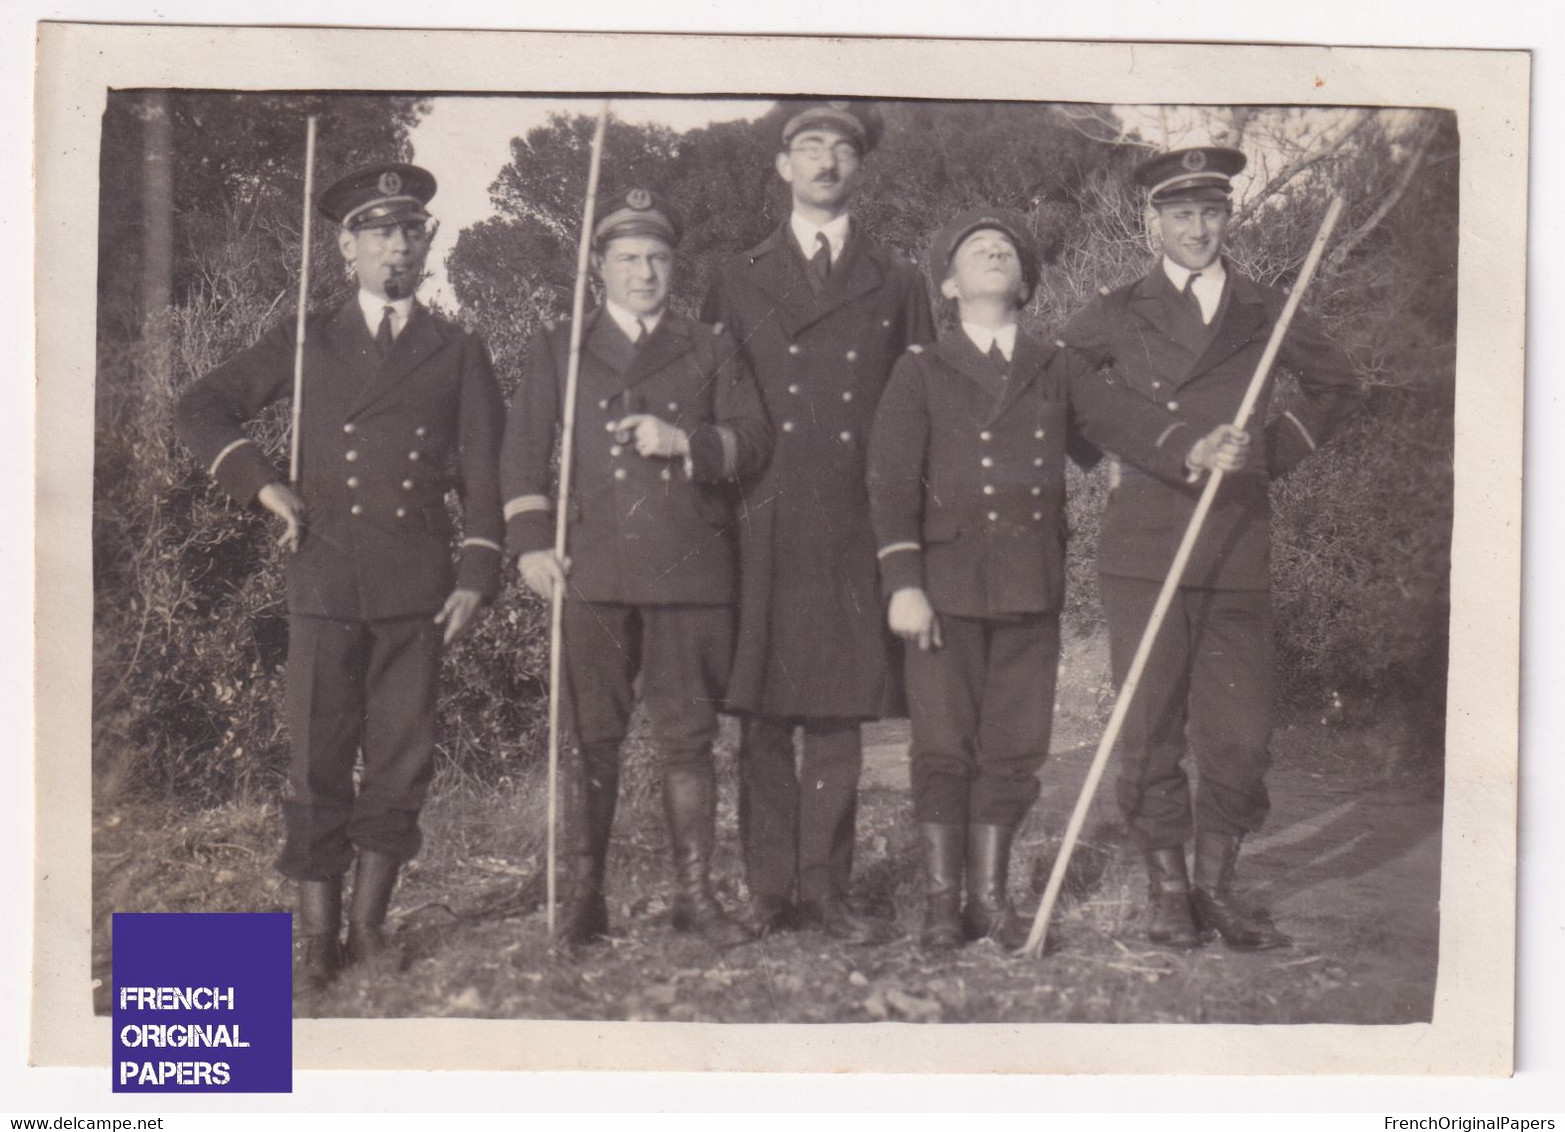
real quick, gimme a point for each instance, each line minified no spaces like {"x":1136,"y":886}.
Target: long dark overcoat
{"x":812,"y":638}
{"x":641,"y":531}
{"x":381,"y":443}
{"x":1137,"y":338}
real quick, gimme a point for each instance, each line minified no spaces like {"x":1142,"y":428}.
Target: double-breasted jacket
{"x":382,"y":442}
{"x":1141,"y":339}
{"x":967,"y":470}
{"x":640,"y":531}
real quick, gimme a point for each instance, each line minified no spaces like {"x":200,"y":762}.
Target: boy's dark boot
{"x":945,"y":853}
{"x":1217,"y":909}
{"x":690,"y":806}
{"x":1168,"y":890}
{"x":592,"y":794}
{"x":317,"y":948}
{"x":989,"y":914}
{"x":373,"y":883}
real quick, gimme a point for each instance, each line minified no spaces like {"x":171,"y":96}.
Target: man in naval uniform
{"x":1188,"y":337}
{"x":668,"y":422}
{"x":821,"y":313}
{"x":399,"y":408}
{"x":967,"y":492}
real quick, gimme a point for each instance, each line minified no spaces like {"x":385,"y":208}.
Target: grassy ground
{"x":1349,"y":864}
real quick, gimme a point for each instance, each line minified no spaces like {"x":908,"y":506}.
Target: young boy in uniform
{"x":967,"y":493}
{"x":667,"y":420}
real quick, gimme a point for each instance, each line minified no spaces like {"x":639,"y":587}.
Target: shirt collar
{"x":1211,"y":275}
{"x":626,"y":320}
{"x":835,"y":231}
{"x":374,"y":306}
{"x":983,"y":338}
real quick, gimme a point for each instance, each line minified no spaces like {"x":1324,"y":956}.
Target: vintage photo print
{"x":898,"y":372}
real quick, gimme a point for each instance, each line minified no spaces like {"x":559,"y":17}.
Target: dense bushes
{"x":190,"y":627}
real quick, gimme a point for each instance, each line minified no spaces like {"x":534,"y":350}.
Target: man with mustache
{"x":1188,"y":337}
{"x":399,"y":408}
{"x":821,"y":313}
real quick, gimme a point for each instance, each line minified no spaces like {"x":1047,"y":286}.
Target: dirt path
{"x":1349,"y":863}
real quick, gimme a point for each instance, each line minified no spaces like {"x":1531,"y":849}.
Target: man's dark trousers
{"x":985,"y":703}
{"x":331,"y":664}
{"x":1206,"y":688}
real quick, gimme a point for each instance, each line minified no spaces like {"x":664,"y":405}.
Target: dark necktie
{"x":641,"y":334}
{"x":1190,"y":297}
{"x":820,"y":262}
{"x":383,"y":337}
{"x":997,"y":358}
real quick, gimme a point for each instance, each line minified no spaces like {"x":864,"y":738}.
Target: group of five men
{"x":757,"y":497}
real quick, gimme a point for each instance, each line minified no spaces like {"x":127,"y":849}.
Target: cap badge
{"x":1195,"y":161}
{"x":390,"y":183}
{"x":638,"y":199}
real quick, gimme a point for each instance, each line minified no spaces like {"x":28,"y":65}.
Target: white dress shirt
{"x":983,"y":337}
{"x":1208,"y":286}
{"x":374,"y":308}
{"x":835,"y":231}
{"x":627,"y":321}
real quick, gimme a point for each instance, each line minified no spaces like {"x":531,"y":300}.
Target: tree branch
{"x":1359,"y":234}
{"x":1299,"y":165}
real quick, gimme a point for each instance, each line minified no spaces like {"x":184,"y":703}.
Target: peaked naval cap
{"x":1199,"y":174}
{"x":377,"y":196}
{"x":858,"y":121}
{"x":636,"y":212}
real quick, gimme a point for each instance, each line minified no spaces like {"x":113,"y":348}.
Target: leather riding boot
{"x":945,"y":850}
{"x":373,"y":883}
{"x":1168,"y":891}
{"x":690,"y":805}
{"x":593,"y":793}
{"x":1217,"y":909}
{"x":989,"y":914}
{"x":317,"y":949}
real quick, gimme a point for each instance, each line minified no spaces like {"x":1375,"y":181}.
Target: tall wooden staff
{"x":304,"y":296}
{"x":557,"y":603}
{"x":1040,"y":923}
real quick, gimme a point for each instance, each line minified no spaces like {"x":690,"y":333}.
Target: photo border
{"x":1472,"y":1028}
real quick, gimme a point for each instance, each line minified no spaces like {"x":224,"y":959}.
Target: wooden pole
{"x":1165,"y":597}
{"x":304,"y":298}
{"x":562,"y":511}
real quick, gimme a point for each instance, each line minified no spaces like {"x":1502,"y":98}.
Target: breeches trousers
{"x":358,"y":686}
{"x":982,"y":706}
{"x":1206,"y":689}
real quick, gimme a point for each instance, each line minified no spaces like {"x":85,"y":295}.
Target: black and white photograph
{"x":765,"y":549}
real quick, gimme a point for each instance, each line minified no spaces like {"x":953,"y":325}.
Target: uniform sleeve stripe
{"x":526,"y":504}
{"x":221,"y":456}
{"x":895,"y":548}
{"x":730,"y":444}
{"x":1304,"y":432}
{"x":487,"y":543}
